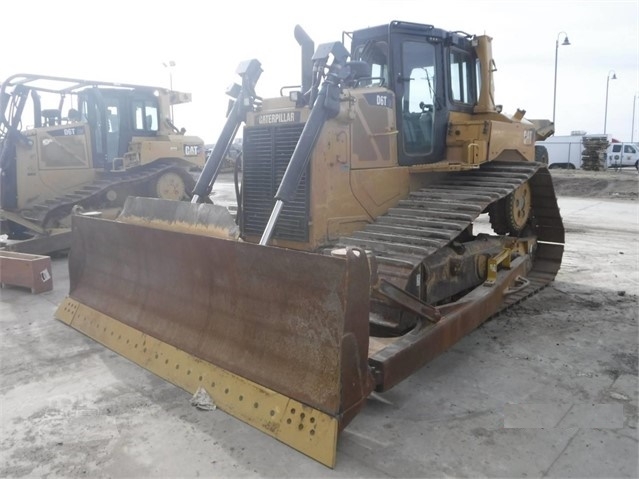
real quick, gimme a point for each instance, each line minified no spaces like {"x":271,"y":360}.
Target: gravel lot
{"x":547,"y":389}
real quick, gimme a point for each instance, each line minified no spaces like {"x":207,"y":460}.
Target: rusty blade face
{"x":291,"y":321}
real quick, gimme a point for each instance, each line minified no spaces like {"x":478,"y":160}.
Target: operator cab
{"x":431,"y":71}
{"x":115,"y":116}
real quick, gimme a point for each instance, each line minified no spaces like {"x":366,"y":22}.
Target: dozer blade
{"x":203,"y":219}
{"x":278,"y":338}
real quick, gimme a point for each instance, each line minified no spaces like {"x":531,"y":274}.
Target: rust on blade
{"x":294,"y":322}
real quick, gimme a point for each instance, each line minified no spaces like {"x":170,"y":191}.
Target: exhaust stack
{"x":308,"y":48}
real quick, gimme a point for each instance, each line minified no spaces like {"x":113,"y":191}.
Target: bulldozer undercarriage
{"x":162,"y":179}
{"x":294,"y":342}
{"x":419,"y":246}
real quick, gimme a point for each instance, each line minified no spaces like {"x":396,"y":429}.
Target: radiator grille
{"x":266,"y":154}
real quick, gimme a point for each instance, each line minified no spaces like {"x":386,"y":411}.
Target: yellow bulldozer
{"x":68,"y":144}
{"x":352,"y":260}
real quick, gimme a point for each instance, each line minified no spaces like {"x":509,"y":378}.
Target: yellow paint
{"x":306,"y":429}
{"x":502,"y":258}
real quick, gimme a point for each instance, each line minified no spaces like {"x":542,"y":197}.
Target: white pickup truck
{"x":619,"y":155}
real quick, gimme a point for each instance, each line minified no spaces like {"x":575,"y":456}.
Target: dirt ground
{"x":547,"y":389}
{"x":621,"y":184}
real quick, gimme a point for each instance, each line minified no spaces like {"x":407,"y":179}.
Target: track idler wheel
{"x":172,"y":185}
{"x":511,"y":214}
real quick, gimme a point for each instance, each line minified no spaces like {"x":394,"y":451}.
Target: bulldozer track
{"x":433,"y":217}
{"x":45,"y":213}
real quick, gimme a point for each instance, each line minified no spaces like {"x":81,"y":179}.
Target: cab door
{"x":117,"y":125}
{"x":630,"y":155}
{"x":420,"y":98}
{"x":94,"y":110}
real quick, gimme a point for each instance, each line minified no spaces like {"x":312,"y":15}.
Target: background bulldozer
{"x":352,"y":259}
{"x":68,"y":143}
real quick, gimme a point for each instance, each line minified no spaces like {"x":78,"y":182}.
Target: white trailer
{"x":563,"y":151}
{"x":567,"y":151}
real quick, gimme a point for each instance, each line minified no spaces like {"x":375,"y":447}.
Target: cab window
{"x":629,"y":149}
{"x":461,"y":67}
{"x":113,"y":119}
{"x":375,"y":53}
{"x":145,"y":115}
{"x":418,"y":98}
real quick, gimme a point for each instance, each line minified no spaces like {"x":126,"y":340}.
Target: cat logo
{"x":191,"y":150}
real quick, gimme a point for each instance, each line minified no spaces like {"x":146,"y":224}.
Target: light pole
{"x":170,"y":65}
{"x":554,"y":96}
{"x":608,"y":78}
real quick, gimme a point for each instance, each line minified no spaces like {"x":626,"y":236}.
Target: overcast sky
{"x":128,"y":41}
